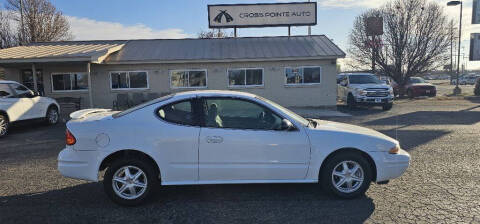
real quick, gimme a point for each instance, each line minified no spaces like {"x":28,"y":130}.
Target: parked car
{"x":18,"y":103}
{"x":364,"y":89}
{"x":415,"y":87}
{"x":222,"y":137}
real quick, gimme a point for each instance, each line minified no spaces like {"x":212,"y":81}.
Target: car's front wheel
{"x":347,"y":175}
{"x":129,"y":182}
{"x":3,"y":125}
{"x":52,"y":115}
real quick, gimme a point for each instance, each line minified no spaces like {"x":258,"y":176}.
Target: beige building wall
{"x":274,"y":88}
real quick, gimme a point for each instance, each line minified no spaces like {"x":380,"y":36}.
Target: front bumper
{"x":390,"y":166}
{"x":368,"y":100}
{"x":79,"y":164}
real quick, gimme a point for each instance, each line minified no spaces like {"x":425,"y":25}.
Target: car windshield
{"x":140,"y":106}
{"x":416,"y":80}
{"x":364,"y":79}
{"x":290,"y":113}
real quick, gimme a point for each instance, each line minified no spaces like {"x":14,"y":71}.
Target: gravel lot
{"x":442,"y":184}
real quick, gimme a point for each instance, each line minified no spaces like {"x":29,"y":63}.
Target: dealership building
{"x":293,"y":71}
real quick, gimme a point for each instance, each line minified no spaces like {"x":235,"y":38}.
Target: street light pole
{"x":457,"y":89}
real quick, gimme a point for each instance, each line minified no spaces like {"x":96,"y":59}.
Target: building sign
{"x":262,"y":15}
{"x":476,"y":12}
{"x":475,"y":47}
{"x":374,"y":26}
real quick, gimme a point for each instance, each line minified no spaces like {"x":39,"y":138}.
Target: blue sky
{"x":137,"y":19}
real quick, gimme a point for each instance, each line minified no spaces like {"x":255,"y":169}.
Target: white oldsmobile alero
{"x":222,"y":137}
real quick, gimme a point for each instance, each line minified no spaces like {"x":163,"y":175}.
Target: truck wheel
{"x":130,"y":182}
{"x":351,"y":102}
{"x":347,"y":175}
{"x":387,"y":106}
{"x":3,"y":125}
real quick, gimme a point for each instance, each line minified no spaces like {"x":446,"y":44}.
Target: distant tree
{"x":214,"y":33}
{"x":416,"y":39}
{"x":7,"y":34}
{"x":41,"y":21}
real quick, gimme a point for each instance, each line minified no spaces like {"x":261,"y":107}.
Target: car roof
{"x":349,"y":74}
{"x":214,"y":93}
{"x":7,"y":82}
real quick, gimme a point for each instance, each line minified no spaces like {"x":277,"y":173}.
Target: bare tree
{"x":416,"y":39}
{"x":7,"y":35}
{"x":41,"y":21}
{"x":214,"y":33}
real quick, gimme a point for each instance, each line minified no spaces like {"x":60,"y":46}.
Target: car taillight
{"x":70,"y":139}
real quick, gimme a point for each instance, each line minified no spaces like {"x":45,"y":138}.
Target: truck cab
{"x":356,"y":89}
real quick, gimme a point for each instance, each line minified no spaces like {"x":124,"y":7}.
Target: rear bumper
{"x":78,"y":164}
{"x":390,"y":166}
{"x":424,"y":92}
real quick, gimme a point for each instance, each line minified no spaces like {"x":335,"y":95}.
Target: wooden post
{"x":90,"y":96}
{"x":34,"y":75}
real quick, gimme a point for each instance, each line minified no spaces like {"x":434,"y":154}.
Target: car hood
{"x":344,"y":131}
{"x":368,"y":86}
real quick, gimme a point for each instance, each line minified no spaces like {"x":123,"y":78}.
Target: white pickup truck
{"x":364,"y":89}
{"x":18,"y":103}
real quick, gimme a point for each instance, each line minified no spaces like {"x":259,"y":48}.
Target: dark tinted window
{"x":416,"y":80}
{"x":364,"y":79}
{"x":178,"y":113}
{"x":21,"y":91}
{"x":239,"y":114}
{"x":5,"y":91}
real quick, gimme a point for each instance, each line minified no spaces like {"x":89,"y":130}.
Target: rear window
{"x":140,"y":106}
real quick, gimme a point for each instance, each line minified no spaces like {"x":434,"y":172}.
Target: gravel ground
{"x":441,"y":186}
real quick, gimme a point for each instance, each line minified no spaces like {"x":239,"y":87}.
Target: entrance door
{"x":27,"y":80}
{"x":242,"y":140}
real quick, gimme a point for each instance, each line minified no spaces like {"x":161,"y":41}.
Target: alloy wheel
{"x":347,"y":176}
{"x":3,"y":126}
{"x":129,"y":182}
{"x":52,"y":116}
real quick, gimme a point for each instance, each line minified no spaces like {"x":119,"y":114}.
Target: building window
{"x":188,"y":78}
{"x":302,"y":75}
{"x":129,"y":80}
{"x":245,"y":77}
{"x":69,"y":81}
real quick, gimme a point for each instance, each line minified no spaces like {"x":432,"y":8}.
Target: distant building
{"x":293,"y":71}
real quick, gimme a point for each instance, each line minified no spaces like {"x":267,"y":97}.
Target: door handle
{"x":214,"y":139}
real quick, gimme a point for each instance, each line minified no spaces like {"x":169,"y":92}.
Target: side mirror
{"x":287,"y":125}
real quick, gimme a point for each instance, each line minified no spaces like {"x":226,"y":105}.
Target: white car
{"x":364,"y":89}
{"x":18,"y":103}
{"x":222,"y":137}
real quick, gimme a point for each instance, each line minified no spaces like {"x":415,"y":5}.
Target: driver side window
{"x":239,"y":114}
{"x":22,"y":91}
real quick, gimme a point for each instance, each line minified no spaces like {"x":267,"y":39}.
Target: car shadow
{"x":410,"y":139}
{"x":252,"y":203}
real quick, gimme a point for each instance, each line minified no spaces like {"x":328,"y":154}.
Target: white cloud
{"x":89,"y":29}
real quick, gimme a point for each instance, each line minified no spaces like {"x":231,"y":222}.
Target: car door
{"x":241,"y":140}
{"x":178,"y":141}
{"x":32,"y":106}
{"x":10,"y":103}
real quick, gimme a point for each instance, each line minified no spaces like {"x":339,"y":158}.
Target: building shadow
{"x":463,"y":117}
{"x":253,"y":203}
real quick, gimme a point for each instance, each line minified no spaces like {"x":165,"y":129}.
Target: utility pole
{"x":309,"y":27}
{"x":22,"y":33}
{"x":451,"y":51}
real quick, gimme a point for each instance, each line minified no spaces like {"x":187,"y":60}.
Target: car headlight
{"x":394,"y":150}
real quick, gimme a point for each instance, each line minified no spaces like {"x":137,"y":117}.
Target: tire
{"x":149,"y":179}
{"x":52,"y":115}
{"x":387,"y":106}
{"x":351,"y":102}
{"x":4,"y":125}
{"x":352,"y":159}
{"x":410,"y":94}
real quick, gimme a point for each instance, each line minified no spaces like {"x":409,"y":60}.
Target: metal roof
{"x":177,"y":50}
{"x":60,"y":51}
{"x":226,"y":49}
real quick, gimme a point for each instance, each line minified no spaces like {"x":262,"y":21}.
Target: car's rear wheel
{"x":347,"y":175}
{"x":129,"y":182}
{"x":52,"y":115}
{"x":4,"y":124}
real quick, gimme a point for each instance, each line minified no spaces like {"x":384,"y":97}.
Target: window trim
{"x":71,"y":90}
{"x":194,"y":103}
{"x":202,"y":114}
{"x":245,"y":86}
{"x":187,"y":70}
{"x":303,"y":83}
{"x":128,"y":78}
